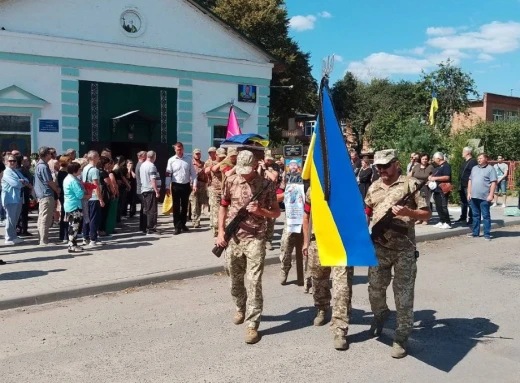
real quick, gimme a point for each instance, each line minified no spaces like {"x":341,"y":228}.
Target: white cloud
{"x":495,"y":37}
{"x":484,"y":58}
{"x":338,"y":58}
{"x":325,"y":15}
{"x":453,"y":54}
{"x":418,"y":51}
{"x":385,"y":64}
{"x":440,"y":31}
{"x":302,"y":23}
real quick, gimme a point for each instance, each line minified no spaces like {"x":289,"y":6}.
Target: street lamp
{"x":282,"y":86}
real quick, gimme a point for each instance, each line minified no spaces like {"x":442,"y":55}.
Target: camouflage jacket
{"x":380,"y":198}
{"x":209,"y":162}
{"x":216,"y":179}
{"x":237,"y":192}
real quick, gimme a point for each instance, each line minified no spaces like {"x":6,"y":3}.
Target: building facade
{"x":493,"y":107}
{"x":127,"y":76}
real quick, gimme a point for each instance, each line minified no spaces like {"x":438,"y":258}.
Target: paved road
{"x":34,"y":274}
{"x":466,"y":330}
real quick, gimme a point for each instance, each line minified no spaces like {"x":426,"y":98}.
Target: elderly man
{"x":90,"y":174}
{"x":441,"y":193}
{"x":398,"y":252}
{"x":465,"y":171}
{"x":246,"y":252}
{"x":71,"y":153}
{"x":182,"y":176}
{"x":150,"y":188}
{"x":481,"y":187}
{"x":141,"y":158}
{"x":44,"y":188}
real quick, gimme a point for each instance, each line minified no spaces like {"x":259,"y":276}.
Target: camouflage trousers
{"x":214,"y":206}
{"x":405,"y":271}
{"x":342,"y":278}
{"x":288,"y":244}
{"x":269,"y":231}
{"x":245,"y":260}
{"x":197,"y":199}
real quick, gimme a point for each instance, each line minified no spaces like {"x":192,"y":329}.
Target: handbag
{"x":446,"y":187}
{"x":167,"y":207}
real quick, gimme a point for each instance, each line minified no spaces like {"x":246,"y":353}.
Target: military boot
{"x":252,"y":336}
{"x":398,"y":349}
{"x":378,"y":323}
{"x":340,"y":342}
{"x":239,"y":317}
{"x":283,"y":277}
{"x":321,"y":318}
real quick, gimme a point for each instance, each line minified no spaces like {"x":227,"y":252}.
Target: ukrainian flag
{"x":338,"y":214}
{"x":433,"y":109}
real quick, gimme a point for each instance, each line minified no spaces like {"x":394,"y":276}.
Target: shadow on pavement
{"x":54,"y":258}
{"x":19,"y":275}
{"x":442,"y":343}
{"x":504,"y":234}
{"x":294,"y":320}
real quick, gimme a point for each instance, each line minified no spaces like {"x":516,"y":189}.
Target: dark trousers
{"x":441,"y":205}
{"x":180,"y":198}
{"x":23,"y":221}
{"x":90,"y":228}
{"x":465,"y":206}
{"x":150,"y":210}
{"x":142,"y":216}
{"x":122,"y":203}
{"x":64,"y":225}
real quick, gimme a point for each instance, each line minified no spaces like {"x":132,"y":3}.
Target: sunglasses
{"x":11,"y":160}
{"x":384,"y":167}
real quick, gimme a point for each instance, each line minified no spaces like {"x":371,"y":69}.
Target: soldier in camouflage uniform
{"x":270,"y":171}
{"x":212,"y":152}
{"x":341,"y":282}
{"x":198,"y":197}
{"x":398,"y":252}
{"x":215,"y":192}
{"x":245,"y":254}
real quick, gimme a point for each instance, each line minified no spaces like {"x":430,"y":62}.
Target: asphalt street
{"x":466,"y":329}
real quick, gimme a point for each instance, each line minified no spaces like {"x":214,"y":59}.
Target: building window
{"x":15,"y":133}
{"x":498,"y":115}
{"x":309,"y":128}
{"x":219,"y":135}
{"x":512,"y":116}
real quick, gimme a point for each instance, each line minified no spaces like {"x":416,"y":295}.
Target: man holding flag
{"x":396,"y":250}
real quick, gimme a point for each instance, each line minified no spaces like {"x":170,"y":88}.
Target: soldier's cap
{"x":221,"y":152}
{"x":384,"y":157}
{"x":197,"y":151}
{"x":245,"y":161}
{"x":212,"y":149}
{"x":232,"y":151}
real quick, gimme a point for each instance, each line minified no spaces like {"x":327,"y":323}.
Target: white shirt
{"x":181,"y":171}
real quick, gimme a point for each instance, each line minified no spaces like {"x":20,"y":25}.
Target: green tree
{"x":266,"y":23}
{"x":454,"y":89}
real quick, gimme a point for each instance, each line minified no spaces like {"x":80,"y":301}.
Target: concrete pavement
{"x":36,"y":275}
{"x":465,"y":330}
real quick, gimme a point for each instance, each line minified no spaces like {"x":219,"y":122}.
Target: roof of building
{"x":275,"y":60}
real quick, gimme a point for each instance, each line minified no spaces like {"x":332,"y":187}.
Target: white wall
{"x":169,"y":24}
{"x":210,"y":95}
{"x":43,"y":82}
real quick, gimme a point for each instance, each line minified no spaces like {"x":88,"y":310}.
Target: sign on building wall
{"x":49,"y":126}
{"x":246,"y":93}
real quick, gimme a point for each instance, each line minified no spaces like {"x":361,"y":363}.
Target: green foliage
{"x":454,"y":89}
{"x":415,"y":136}
{"x":266,"y":23}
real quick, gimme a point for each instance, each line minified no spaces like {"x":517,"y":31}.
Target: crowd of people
{"x":435,"y":175}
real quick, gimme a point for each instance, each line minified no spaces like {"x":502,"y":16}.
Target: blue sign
{"x":50,"y":126}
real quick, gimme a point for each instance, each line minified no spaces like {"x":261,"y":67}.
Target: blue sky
{"x":397,"y":39}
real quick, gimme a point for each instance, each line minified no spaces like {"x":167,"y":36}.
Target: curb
{"x":113,"y":286}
